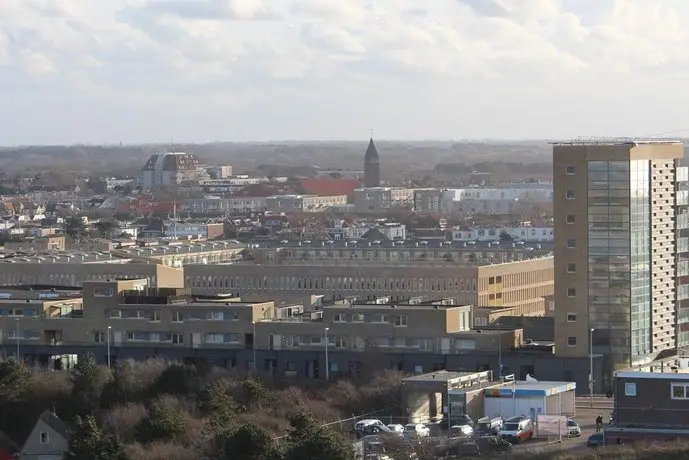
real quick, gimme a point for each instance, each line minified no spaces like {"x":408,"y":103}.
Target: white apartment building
{"x":521,"y":233}
{"x":391,"y":231}
{"x":216,"y":204}
{"x":380,"y":199}
{"x":481,"y":200}
{"x":303,"y":203}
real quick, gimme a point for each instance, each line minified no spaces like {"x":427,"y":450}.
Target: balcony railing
{"x":683,"y":268}
{"x":683,"y":221}
{"x":682,"y":198}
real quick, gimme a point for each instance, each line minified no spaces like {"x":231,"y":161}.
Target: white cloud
{"x":266,"y":69}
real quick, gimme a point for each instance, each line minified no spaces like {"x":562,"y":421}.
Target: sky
{"x":134,"y":71}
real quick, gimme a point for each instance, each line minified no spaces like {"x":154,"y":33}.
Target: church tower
{"x":371,"y":166}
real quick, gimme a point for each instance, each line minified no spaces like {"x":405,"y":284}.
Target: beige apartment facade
{"x":517,"y":284}
{"x":128,"y":313}
{"x":75,"y":273}
{"x":615,"y":250}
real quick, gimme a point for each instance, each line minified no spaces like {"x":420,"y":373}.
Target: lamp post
{"x":108,"y":342}
{"x":253,"y":324}
{"x":327,"y":362}
{"x":591,"y":365}
{"x":16,"y":336}
{"x":500,"y":358}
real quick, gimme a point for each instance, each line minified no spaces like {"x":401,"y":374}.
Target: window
{"x":44,"y":437}
{"x":358,"y":318}
{"x":630,"y":389}
{"x":103,"y":292}
{"x":571,"y":341}
{"x":465,"y":344}
{"x":571,"y":268}
{"x":154,"y":315}
{"x":679,"y":390}
{"x":214,"y":315}
{"x":571,"y":243}
{"x":570,"y":170}
{"x":498,"y":279}
{"x":491,"y":297}
{"x":215,"y":338}
{"x":339,"y":318}
{"x":401,"y":321}
{"x":571,"y":317}
{"x":571,"y":218}
{"x":491,"y":280}
{"x":571,"y":292}
{"x":99,"y":337}
{"x":177,"y":317}
{"x":115,"y":314}
{"x":383,"y":341}
{"x":569,"y":194}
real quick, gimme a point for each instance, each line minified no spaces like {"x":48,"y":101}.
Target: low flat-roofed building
{"x":650,"y":406}
{"x":42,"y":243}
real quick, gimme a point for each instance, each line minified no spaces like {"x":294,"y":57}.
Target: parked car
{"x":359,"y":426}
{"x":456,"y":431}
{"x":573,"y":428}
{"x":488,"y":426}
{"x":461,"y":419}
{"x":517,"y":429}
{"x":595,"y":440}
{"x":451,"y":449}
{"x":374,"y":429}
{"x":396,"y":428}
{"x":416,"y":431}
{"x":493,"y":444}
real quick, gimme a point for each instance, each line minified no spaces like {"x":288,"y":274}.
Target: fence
{"x":346,"y":425}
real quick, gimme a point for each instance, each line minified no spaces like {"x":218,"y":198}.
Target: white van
{"x":517,"y":429}
{"x":359,"y":426}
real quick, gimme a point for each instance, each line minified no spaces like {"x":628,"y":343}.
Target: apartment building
{"x":42,"y":243}
{"x":382,"y":199}
{"x":118,"y":320}
{"x":520,"y":284}
{"x":219,"y":205}
{"x":617,"y":265}
{"x":303,"y":203}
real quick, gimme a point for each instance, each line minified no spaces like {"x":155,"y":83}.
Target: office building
{"x":171,"y":169}
{"x":617,"y":263}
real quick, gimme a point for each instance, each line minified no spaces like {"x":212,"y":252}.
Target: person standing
{"x":599,"y":423}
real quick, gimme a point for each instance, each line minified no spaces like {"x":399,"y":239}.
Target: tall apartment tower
{"x":371,"y":166}
{"x":621,"y":260}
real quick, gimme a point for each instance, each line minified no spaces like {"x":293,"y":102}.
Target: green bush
{"x":164,"y":422}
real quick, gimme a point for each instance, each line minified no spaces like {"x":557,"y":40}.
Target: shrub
{"x":124,"y":419}
{"x":162,"y":451}
{"x":176,"y":379}
{"x":164,"y":421}
{"x":245,"y":442}
{"x":89,"y":442}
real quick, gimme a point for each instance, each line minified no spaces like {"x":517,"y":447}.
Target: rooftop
{"x":631,"y":141}
{"x":439,"y":376}
{"x":669,"y":375}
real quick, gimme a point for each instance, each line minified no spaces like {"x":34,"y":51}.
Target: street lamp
{"x":16,"y":336}
{"x":327,"y":362}
{"x":253,"y":344}
{"x":108,"y":341}
{"x":591,"y":365}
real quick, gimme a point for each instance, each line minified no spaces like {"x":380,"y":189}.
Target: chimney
{"x":53,"y":411}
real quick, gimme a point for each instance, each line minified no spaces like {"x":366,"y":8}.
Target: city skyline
{"x":247,"y":70}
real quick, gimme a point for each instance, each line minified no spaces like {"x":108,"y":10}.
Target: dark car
{"x":372,"y":430}
{"x":457,"y":449}
{"x":493,"y":444}
{"x":595,"y":440}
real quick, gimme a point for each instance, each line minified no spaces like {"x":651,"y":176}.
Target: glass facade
{"x":619,"y":251}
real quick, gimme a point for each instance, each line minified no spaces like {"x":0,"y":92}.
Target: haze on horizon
{"x":141,"y":71}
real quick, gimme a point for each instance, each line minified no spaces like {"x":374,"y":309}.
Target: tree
{"x":89,"y":442}
{"x":308,"y":441}
{"x":74,"y":227}
{"x":104,"y":229}
{"x":120,"y":389}
{"x":164,"y":422}
{"x":86,"y":386}
{"x":176,"y":379}
{"x":504,"y":236}
{"x":245,"y":442}
{"x":14,"y":380}
{"x":216,"y":401}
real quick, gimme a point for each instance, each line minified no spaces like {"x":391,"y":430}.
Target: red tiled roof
{"x":329,"y":187}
